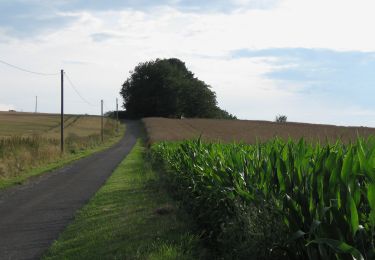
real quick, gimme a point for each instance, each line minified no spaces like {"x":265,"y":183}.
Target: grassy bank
{"x":130,"y":217}
{"x":22,"y":157}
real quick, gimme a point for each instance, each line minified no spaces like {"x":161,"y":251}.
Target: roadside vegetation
{"x":277,"y":199}
{"x":30,"y":144}
{"x":130,"y":217}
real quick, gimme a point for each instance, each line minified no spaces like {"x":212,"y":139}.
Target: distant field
{"x":47,"y":125}
{"x":29,"y":141}
{"x":163,"y":129}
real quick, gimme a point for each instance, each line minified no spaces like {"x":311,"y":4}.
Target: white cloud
{"x":203,"y":40}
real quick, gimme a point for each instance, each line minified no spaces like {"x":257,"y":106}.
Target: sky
{"x":313,"y":61}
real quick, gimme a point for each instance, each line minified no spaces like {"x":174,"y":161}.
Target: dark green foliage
{"x":281,"y":119}
{"x":321,"y":197}
{"x":233,"y":227}
{"x":166,"y":88}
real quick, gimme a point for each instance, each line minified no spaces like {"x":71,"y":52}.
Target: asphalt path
{"x":34,"y":214}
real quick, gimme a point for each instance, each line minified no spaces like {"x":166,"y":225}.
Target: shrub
{"x":281,"y":119}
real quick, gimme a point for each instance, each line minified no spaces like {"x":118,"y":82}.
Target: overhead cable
{"x":28,"y":71}
{"x":77,"y":92}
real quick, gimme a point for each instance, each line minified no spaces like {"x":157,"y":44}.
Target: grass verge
{"x":130,"y":217}
{"x":62,"y":161}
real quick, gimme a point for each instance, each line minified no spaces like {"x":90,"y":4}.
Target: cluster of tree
{"x":166,"y":88}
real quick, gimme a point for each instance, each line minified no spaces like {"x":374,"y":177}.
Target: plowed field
{"x":163,"y":129}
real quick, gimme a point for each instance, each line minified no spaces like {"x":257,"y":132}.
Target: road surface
{"x":34,"y":214}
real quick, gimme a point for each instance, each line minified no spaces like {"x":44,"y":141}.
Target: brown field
{"x":163,"y":129}
{"x":47,"y":125}
{"x":31,"y":140}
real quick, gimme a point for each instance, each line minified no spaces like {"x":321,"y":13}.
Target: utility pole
{"x":102,"y":132}
{"x":36,"y":104}
{"x":117,"y":115}
{"x":62,"y":112}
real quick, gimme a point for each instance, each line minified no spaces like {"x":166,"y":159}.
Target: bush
{"x":281,"y":119}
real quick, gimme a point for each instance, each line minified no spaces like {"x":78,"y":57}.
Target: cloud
{"x":223,"y":24}
{"x":183,"y":5}
{"x":341,"y":76}
{"x":75,"y":62}
{"x":102,"y":37}
{"x":28,"y":18}
{"x":252,"y":58}
{"x":318,"y":85}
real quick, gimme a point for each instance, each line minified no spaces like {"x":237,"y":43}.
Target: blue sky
{"x":346,"y":77}
{"x":305,"y":59}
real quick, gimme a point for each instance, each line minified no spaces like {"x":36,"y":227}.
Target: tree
{"x":166,"y":88}
{"x":281,"y":119}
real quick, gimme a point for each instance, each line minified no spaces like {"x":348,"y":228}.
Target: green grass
{"x":121,"y":220}
{"x":6,"y":182}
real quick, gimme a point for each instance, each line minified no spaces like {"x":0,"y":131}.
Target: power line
{"x":106,"y":107}
{"x":28,"y":71}
{"x":50,"y":74}
{"x":76,"y":90}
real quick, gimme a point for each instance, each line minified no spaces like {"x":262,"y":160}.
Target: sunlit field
{"x":29,"y":140}
{"x":47,"y":125}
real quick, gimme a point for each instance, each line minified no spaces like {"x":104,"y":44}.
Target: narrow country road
{"x":33,"y":215}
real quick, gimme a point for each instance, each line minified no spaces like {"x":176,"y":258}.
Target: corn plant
{"x":324,"y":193}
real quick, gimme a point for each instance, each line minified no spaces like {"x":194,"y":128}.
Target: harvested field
{"x":163,"y":129}
{"x":32,"y":140}
{"x":48,"y":125}
{"x":24,"y":124}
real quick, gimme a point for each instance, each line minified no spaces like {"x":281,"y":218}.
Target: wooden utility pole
{"x":62,"y":112}
{"x":102,"y":132}
{"x":36,"y":104}
{"x":117,"y":115}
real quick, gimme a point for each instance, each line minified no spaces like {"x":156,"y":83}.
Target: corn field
{"x":323,"y":195}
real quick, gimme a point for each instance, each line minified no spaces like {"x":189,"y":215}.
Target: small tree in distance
{"x":281,"y":119}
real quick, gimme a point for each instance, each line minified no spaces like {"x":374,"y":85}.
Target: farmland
{"x":163,"y":129}
{"x":29,"y":141}
{"x":48,"y":125}
{"x":272,"y":198}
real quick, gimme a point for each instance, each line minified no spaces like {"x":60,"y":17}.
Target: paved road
{"x":33,"y":215}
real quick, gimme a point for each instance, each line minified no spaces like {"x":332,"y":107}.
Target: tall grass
{"x":279,"y":199}
{"x":22,"y":153}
